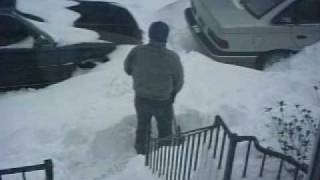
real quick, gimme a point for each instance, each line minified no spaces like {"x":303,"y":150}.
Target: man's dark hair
{"x":159,"y":31}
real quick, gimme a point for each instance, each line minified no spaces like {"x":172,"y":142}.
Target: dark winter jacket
{"x":156,"y":71}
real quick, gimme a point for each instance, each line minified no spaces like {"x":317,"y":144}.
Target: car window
{"x":11,"y":31}
{"x":308,"y":12}
{"x":302,"y":12}
{"x":287,"y":16}
{"x":7,"y":4}
{"x":259,"y":8}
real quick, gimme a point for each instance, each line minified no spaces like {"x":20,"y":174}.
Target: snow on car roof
{"x":58,"y":25}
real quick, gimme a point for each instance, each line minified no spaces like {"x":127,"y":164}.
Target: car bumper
{"x":211,"y":49}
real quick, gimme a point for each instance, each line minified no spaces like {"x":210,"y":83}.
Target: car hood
{"x":229,"y":14}
{"x":69,"y":35}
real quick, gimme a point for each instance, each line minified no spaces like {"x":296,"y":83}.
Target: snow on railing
{"x":214,"y":152}
{"x":47,"y":166}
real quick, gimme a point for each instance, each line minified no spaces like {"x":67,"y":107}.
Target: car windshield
{"x":259,"y":8}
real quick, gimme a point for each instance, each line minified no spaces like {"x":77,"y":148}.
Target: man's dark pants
{"x":146,"y":109}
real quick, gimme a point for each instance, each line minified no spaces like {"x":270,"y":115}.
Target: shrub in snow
{"x":296,"y":129}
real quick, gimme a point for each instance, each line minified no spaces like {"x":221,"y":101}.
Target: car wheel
{"x":268,"y":60}
{"x":87,"y":65}
{"x":102,"y":59}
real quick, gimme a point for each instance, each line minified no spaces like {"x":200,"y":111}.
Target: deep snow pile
{"x":59,"y":20}
{"x":87,"y":123}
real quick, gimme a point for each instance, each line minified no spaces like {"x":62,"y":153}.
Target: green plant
{"x":296,"y":129}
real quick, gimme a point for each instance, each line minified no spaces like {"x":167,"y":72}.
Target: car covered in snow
{"x":254,"y":32}
{"x":31,"y":57}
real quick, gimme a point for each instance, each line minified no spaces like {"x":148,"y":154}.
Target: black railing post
{"x":244,"y":173}
{"x":280,"y":170}
{"x":210,"y":138}
{"x":181,"y":160}
{"x":222,"y":149}
{"x":230,"y":156}
{"x":216,"y":142}
{"x":176,"y":165}
{"x":146,"y":163}
{"x":170,"y":161}
{"x":191,"y":155}
{"x":165,"y":158}
{"x":49,"y":169}
{"x":160,"y":157}
{"x":151,"y":154}
{"x":197,"y":151}
{"x":155,"y":156}
{"x":185,"y":163}
{"x":24,"y":176}
{"x":262,"y":165}
{"x":205,"y":136}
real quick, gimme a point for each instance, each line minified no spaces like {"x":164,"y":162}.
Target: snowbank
{"x":59,"y":20}
{"x":87,"y":123}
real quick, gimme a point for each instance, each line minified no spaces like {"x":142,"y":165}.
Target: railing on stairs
{"x":179,"y":157}
{"x":47,"y":167}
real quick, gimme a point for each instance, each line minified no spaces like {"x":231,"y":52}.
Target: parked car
{"x":258,"y":32}
{"x":30,"y":57}
{"x":111,"y":21}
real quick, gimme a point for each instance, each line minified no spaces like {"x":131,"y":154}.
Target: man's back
{"x":156,"y":71}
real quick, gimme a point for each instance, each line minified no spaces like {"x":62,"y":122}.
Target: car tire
{"x":267,"y":60}
{"x":102,"y":59}
{"x":87,"y":65}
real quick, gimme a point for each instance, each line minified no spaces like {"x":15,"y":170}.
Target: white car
{"x":254,"y":32}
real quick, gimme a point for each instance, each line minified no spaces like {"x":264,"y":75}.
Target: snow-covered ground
{"x":86,"y":124}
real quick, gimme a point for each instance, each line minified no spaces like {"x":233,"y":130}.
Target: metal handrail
{"x":47,"y":166}
{"x":268,"y":151}
{"x":182,"y":147}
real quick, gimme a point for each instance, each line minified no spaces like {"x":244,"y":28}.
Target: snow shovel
{"x":176,"y":129}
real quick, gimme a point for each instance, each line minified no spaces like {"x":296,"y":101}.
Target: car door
{"x":17,"y":57}
{"x":307,"y":27}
